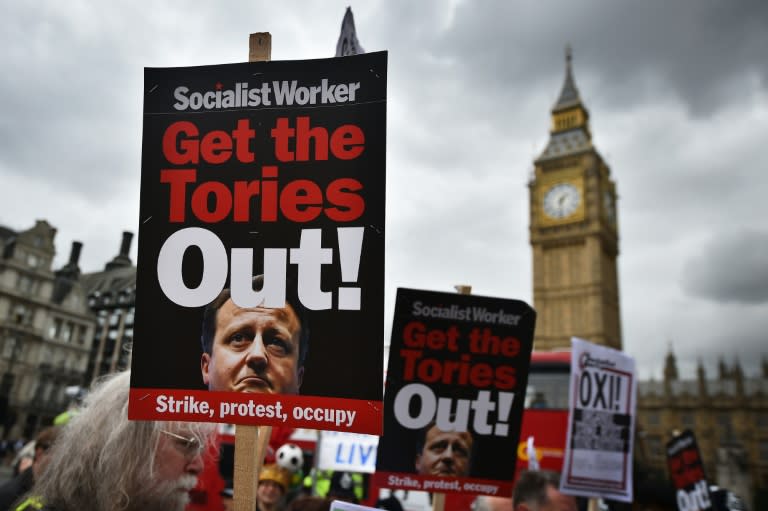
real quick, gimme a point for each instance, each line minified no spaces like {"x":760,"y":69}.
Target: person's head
{"x":273,"y":483}
{"x":443,"y":453}
{"x":309,"y":503}
{"x":488,"y":503}
{"x":43,"y":443}
{"x":103,"y":461}
{"x":538,"y":490}
{"x":390,"y":503}
{"x":254,"y":349}
{"x":343,"y":487}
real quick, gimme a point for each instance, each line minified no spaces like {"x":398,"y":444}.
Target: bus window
{"x":548,"y":381}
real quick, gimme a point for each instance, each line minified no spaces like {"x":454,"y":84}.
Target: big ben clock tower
{"x":574,"y":234}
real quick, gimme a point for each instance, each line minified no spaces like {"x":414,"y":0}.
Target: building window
{"x":114,"y":319}
{"x":66,"y":332}
{"x":25,"y":284}
{"x":47,"y":388}
{"x":82,"y":331}
{"x":654,"y":446}
{"x":687,"y":419}
{"x":653,"y":418}
{"x":32,"y":260}
{"x":764,"y":451}
{"x":9,"y":347}
{"x":21,"y":314}
{"x":55,"y":329}
{"x":724,"y":425}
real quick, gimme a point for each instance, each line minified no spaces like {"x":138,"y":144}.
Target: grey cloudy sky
{"x":677,"y":92}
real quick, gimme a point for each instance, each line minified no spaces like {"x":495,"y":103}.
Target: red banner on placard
{"x":442,"y":484}
{"x":313,"y":412}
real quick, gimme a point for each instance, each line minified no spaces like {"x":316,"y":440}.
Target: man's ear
{"x":205,"y":361}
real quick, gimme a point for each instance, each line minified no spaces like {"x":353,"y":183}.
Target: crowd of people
{"x":101,"y":461}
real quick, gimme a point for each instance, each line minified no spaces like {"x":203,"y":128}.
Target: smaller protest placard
{"x":601,"y":423}
{"x":455,"y":390}
{"x":687,"y":473}
{"x":347,"y":452}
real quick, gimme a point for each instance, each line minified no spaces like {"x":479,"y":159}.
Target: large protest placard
{"x":260,"y":285}
{"x":601,"y":423}
{"x":455,"y":390}
{"x":687,"y":472}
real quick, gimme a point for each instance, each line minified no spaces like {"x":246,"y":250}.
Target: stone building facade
{"x":728,"y":413}
{"x":112,"y":296}
{"x":46,"y":329}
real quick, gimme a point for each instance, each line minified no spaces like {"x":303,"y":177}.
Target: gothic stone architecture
{"x":727,"y":413}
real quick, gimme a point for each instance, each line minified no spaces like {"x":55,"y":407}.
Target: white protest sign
{"x":341,"y":505}
{"x":348,"y":452}
{"x":601,"y":423}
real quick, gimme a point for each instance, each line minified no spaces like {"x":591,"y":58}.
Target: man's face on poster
{"x":445,"y":453}
{"x":254,"y":349}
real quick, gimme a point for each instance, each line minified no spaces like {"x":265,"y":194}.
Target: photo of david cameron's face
{"x":253,"y":349}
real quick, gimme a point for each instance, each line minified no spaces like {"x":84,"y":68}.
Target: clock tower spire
{"x":573,"y":231}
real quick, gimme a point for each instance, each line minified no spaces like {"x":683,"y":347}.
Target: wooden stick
{"x":260,"y":47}
{"x":251,"y":441}
{"x":438,"y":501}
{"x":245,"y":477}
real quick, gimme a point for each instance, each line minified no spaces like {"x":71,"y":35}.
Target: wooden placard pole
{"x":251,"y":441}
{"x":260,"y":47}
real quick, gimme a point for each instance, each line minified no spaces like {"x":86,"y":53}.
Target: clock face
{"x":561,"y":200}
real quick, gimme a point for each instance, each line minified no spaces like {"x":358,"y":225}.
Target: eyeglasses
{"x":190,"y":446}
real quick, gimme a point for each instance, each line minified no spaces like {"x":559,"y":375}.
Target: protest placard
{"x":601,"y":423}
{"x":687,"y":472}
{"x":341,"y":505}
{"x":276,"y":170}
{"x":456,"y":379}
{"x":347,"y":452}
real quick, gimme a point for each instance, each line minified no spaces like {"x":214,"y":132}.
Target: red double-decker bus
{"x":545,"y":419}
